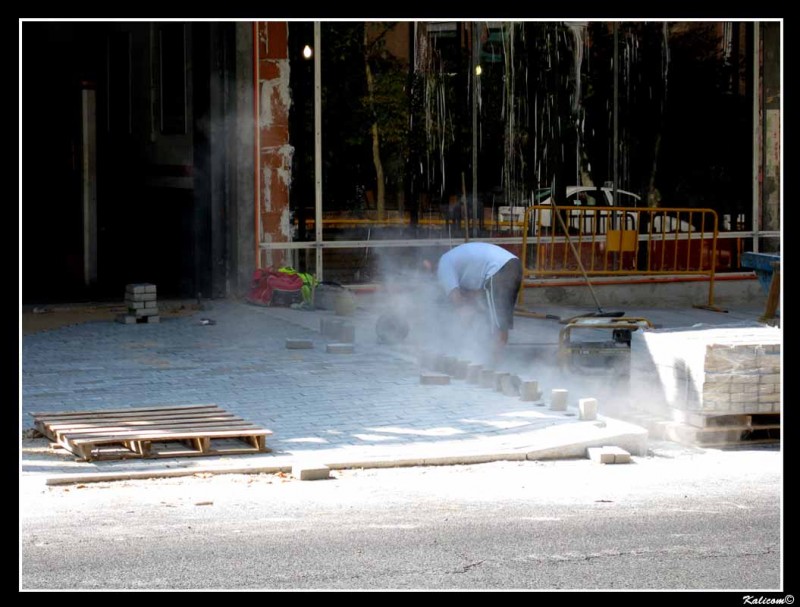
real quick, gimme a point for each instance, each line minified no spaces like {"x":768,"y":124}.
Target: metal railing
{"x":609,"y":241}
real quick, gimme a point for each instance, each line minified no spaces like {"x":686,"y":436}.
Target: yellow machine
{"x":579,"y":348}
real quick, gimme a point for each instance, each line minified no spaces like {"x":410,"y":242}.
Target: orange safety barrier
{"x":619,"y":241}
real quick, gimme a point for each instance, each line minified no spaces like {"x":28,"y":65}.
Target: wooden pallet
{"x":151,"y":432}
{"x":725,"y":430}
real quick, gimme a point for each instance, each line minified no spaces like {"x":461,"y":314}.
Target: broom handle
{"x":577,"y":258}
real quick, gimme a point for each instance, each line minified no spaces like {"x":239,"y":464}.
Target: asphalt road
{"x":680,"y":518}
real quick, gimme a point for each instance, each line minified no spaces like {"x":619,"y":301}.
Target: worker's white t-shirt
{"x":470,"y":265}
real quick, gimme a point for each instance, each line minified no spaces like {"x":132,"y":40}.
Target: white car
{"x":579,"y":196}
{"x":588,"y":195}
{"x":588,"y":221}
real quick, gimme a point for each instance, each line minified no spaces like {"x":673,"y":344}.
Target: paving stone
{"x":498,"y":380}
{"x":339,"y":348}
{"x":140,"y":288}
{"x":609,"y":455}
{"x":587,"y":409}
{"x":299,"y":344}
{"x":600,"y":455}
{"x":434,"y":379}
{"x":311,"y":472}
{"x":558,"y":399}
{"x":529,"y":390}
{"x":621,"y":456}
{"x":137,"y":297}
{"x":509,"y":385}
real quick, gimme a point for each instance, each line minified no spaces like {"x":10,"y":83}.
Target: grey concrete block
{"x":311,"y":472}
{"x":558,"y":399}
{"x":135,"y":305}
{"x":151,"y":304}
{"x":299,"y":344}
{"x":130,"y":297}
{"x":152,"y":319}
{"x":621,"y":456}
{"x":434,"y":379}
{"x":609,"y":455}
{"x":139,"y":288}
{"x":126,"y":319}
{"x":339,"y":348}
{"x":600,"y":455}
{"x":510,"y":384}
{"x":587,"y":408}
{"x":529,"y":390}
{"x":498,"y":380}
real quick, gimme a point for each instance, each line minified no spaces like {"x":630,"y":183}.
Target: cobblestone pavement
{"x":319,"y":405}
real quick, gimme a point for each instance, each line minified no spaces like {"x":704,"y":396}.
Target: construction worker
{"x":480,"y":272}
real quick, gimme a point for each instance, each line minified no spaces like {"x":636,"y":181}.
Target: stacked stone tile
{"x":742,"y":378}
{"x":710,"y":370}
{"x":712,"y":385}
{"x":140,"y":299}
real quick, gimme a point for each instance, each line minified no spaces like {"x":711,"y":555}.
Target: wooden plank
{"x":718,"y":435}
{"x":155,"y":434}
{"x":177,"y":435}
{"x":170,"y":436}
{"x":119,"y":417}
{"x":152,"y":449}
{"x":153,"y":408}
{"x":141,"y":423}
{"x":103,"y":414}
{"x":100,"y":456}
{"x":729,"y":421}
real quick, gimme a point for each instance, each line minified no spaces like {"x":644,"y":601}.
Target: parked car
{"x":579,"y":196}
{"x":587,"y":221}
{"x":586,"y":195}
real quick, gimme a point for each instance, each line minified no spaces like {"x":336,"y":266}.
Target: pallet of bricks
{"x":140,"y":299}
{"x":740,"y":397}
{"x":715,"y":386}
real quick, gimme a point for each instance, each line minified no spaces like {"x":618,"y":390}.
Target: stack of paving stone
{"x":142,"y":305}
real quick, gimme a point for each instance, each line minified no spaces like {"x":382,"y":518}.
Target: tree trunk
{"x":653,"y":196}
{"x":376,"y":144}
